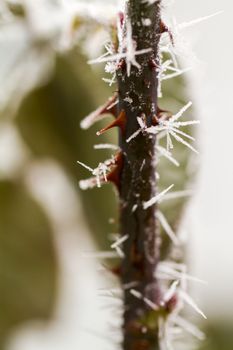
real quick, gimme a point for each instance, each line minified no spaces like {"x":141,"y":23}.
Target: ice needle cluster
{"x":99,"y":173}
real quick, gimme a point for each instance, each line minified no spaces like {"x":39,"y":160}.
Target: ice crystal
{"x":102,"y":146}
{"x":171,"y":128}
{"x":142,"y":124}
{"x":168,"y":155}
{"x":156,"y":198}
{"x":117,"y":245}
{"x":127,"y":51}
{"x":99,"y":173}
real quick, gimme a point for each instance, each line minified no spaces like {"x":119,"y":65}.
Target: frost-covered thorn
{"x":120,"y":122}
{"x":100,"y":113}
{"x":153,"y":64}
{"x":115,"y":174}
{"x":105,"y":172}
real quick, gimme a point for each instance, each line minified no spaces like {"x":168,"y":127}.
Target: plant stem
{"x":138,"y":98}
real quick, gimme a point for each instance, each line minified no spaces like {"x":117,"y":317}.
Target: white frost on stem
{"x":127,"y":51}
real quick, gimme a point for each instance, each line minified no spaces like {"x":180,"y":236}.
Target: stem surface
{"x":138,"y":98}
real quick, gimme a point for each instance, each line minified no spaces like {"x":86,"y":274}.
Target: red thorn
{"x":122,"y":18}
{"x":115,"y":175}
{"x":164,"y":29}
{"x":119,"y":122}
{"x":122,"y":64}
{"x":116,"y":271}
{"x":171,"y":303}
{"x":153,"y":64}
{"x":160,"y":113}
{"x":155,"y":120}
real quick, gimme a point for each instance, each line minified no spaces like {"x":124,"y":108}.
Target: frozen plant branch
{"x":157,"y":289}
